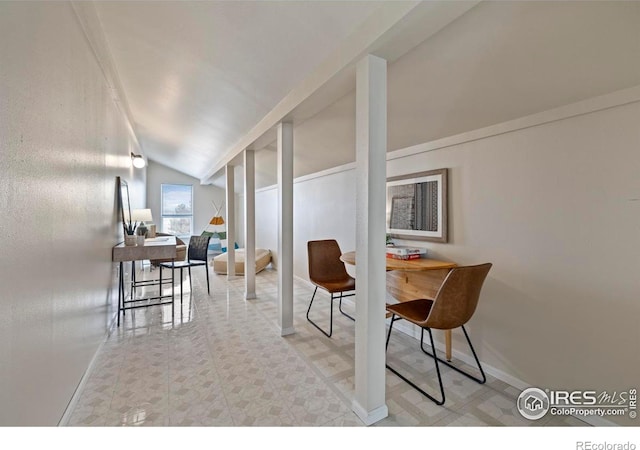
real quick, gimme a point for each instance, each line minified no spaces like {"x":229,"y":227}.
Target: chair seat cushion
{"x":348,"y":284}
{"x":415,"y":311}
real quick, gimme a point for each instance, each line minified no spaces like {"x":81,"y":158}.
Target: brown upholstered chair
{"x":452,"y":307}
{"x":327,"y":272}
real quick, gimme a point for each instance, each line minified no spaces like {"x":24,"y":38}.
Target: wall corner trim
{"x":91,"y":26}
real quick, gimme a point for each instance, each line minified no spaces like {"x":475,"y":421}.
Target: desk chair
{"x":196,"y":256}
{"x":327,"y":272}
{"x":452,"y":307}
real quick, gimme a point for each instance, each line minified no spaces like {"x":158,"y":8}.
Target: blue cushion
{"x":224,"y":249}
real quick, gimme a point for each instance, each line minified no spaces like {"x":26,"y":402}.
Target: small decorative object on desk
{"x":130,"y":240}
{"x":142,"y":230}
{"x":141,"y":216}
{"x":406,"y":252}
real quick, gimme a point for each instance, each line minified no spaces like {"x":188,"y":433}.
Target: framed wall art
{"x":417,"y":206}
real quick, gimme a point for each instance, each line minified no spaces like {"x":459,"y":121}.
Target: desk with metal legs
{"x":157,"y":248}
{"x":437,"y":271}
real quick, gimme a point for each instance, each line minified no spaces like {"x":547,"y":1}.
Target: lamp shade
{"x":141,"y":215}
{"x":138,"y":161}
{"x":217,"y":220}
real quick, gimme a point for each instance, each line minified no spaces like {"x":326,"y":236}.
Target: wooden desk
{"x":401,"y":264}
{"x":155,"y":248}
{"x":427,"y":287}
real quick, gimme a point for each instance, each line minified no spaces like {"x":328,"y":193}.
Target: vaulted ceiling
{"x":199,"y":76}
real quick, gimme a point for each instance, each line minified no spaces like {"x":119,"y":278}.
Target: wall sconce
{"x":138,"y":161}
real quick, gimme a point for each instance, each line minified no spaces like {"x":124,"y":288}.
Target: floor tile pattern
{"x":221,"y":362}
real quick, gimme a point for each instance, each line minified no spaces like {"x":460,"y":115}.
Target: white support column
{"x":231,"y":222}
{"x":249,"y":225}
{"x":285,"y":228}
{"x":371,"y":169}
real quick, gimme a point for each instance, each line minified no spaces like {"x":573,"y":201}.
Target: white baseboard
{"x":369,"y":417}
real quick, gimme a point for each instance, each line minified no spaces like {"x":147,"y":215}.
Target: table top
{"x":163,"y":247}
{"x":402,"y":264}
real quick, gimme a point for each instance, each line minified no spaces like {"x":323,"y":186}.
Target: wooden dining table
{"x":430,"y":281}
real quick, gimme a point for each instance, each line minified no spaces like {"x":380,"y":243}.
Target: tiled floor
{"x":221,"y":362}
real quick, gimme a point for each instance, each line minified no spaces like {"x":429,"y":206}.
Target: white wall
{"x":555,"y":208}
{"x":324,"y":208}
{"x":63,"y":141}
{"x":203,"y":196}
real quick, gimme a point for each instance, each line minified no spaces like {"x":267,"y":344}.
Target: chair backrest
{"x":198,"y":248}
{"x":457,"y":298}
{"x":324,"y":261}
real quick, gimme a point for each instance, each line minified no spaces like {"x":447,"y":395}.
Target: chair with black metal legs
{"x":196,"y":256}
{"x":327,"y":272}
{"x":452,"y":307}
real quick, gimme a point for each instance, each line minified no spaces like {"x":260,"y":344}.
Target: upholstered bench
{"x":219,"y":263}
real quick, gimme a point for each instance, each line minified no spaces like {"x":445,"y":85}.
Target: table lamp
{"x":142,"y":216}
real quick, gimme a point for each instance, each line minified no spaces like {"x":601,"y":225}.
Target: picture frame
{"x":417,"y":206}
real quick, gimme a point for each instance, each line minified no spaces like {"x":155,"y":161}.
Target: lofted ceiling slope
{"x":497,"y":62}
{"x":197,"y":75}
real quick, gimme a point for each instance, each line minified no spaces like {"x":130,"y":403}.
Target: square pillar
{"x":231,"y":222}
{"x":371,"y":173}
{"x":249,"y":225}
{"x":285,"y":228}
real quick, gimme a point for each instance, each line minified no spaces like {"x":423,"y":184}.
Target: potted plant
{"x":130,"y":238}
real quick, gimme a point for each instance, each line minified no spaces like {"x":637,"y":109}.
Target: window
{"x":177,"y":209}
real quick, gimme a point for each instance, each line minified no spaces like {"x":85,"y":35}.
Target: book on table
{"x":403,"y":257}
{"x":406,"y":252}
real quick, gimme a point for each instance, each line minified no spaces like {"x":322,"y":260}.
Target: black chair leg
{"x":160,"y":283}
{"x":330,"y":318}
{"x":206,"y":268}
{"x":181,"y":275}
{"x":190,"y":283}
{"x":340,"y":308}
{"x":413,"y":385}
{"x":481,"y":380}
